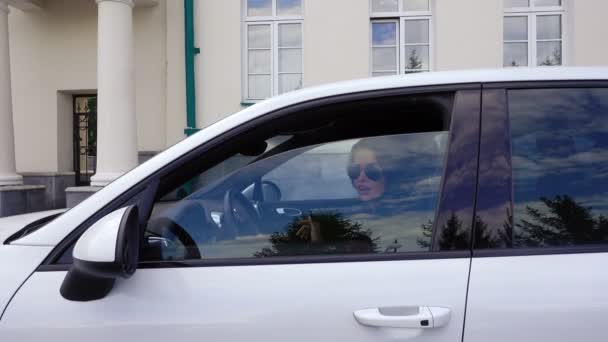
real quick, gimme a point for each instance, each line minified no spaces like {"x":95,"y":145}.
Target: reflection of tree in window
{"x":455,"y":236}
{"x":413,"y":62}
{"x":338,"y":236}
{"x":566,"y":223}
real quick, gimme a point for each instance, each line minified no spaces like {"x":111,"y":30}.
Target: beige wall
{"x":588,"y":21}
{"x":175,"y":120}
{"x":336,"y":43}
{"x":54,"y":54}
{"x":50,"y":50}
{"x":468,"y":34}
{"x":149,"y":25}
{"x":218,"y":67}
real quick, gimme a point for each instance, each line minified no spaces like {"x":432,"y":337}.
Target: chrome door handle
{"x":413,"y":317}
{"x":289,"y":211}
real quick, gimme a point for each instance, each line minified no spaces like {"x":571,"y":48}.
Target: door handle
{"x":289,"y":211}
{"x":413,"y":317}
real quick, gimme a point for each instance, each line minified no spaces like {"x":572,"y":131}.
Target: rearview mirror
{"x":107,"y":250}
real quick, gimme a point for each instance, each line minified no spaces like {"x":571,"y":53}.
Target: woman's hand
{"x":309,"y":230}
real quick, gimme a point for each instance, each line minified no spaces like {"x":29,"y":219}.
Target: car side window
{"x":559,"y":147}
{"x":362,"y":179}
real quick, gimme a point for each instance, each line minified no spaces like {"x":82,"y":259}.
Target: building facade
{"x":91,"y":88}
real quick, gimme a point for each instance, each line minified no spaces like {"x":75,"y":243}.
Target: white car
{"x":459,"y":206}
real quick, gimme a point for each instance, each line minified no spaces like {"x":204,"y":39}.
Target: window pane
{"x":515,"y":28}
{"x":415,"y":5}
{"x":560,"y":166}
{"x":258,"y":36}
{"x":548,"y":27}
{"x":259,"y":61}
{"x":384,"y":33}
{"x":384,"y":59}
{"x":549,"y":53}
{"x":515,"y":54}
{"x":547,"y":2}
{"x":417,"y":57}
{"x":516,"y":3}
{"x":289,"y":7}
{"x":289,"y":82}
{"x":290,"y":60}
{"x":259,"y":8}
{"x":385,"y":6}
{"x":356,"y":195}
{"x":259,"y":87}
{"x":290,"y":35}
{"x":416,"y":31}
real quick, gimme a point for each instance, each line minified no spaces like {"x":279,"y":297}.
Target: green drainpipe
{"x":191,"y":51}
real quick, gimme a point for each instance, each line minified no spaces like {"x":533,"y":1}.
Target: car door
{"x":397,"y":271}
{"x":539,"y":266}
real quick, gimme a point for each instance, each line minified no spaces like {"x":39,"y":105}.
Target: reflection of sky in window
{"x":384,"y":34}
{"x":285,"y":7}
{"x":259,"y":7}
{"x":560,"y":144}
{"x":414,"y":160}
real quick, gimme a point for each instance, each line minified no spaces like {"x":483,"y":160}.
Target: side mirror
{"x":107,"y":250}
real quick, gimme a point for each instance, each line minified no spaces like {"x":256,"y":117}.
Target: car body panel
{"x":17,"y":263}
{"x":11,"y":224}
{"x":59,"y":228}
{"x":555,"y":298}
{"x":303,"y":302}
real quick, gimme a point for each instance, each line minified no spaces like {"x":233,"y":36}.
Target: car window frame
{"x":149,"y":186}
{"x":501,"y":119}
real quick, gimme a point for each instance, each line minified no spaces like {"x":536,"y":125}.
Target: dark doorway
{"x":85,"y":138}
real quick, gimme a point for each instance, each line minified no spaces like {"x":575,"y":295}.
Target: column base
{"x":77,"y":194}
{"x":11,"y":180}
{"x":55,"y":182}
{"x":104,"y":178}
{"x":21,"y":199}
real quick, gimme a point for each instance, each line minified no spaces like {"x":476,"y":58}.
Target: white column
{"x":8,"y":174}
{"x":116,"y":123}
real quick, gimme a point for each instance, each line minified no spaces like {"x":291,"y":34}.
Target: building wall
{"x":54,"y":55}
{"x":587,"y":32}
{"x":175,"y":120}
{"x":336,"y":40}
{"x":218,"y":66}
{"x":465,"y":39}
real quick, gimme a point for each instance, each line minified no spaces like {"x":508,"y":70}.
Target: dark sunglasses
{"x":372,"y":171}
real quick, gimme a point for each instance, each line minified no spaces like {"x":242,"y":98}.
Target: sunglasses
{"x":372,"y":171}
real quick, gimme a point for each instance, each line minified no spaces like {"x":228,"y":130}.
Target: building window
{"x":533,"y":33}
{"x":272,"y":47}
{"x":400,"y":36}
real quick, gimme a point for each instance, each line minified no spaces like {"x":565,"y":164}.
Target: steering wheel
{"x":171,"y":227}
{"x":240,"y":216}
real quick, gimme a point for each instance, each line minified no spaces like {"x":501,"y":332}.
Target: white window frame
{"x":531,"y":13}
{"x":400,"y":17}
{"x":274,"y":21}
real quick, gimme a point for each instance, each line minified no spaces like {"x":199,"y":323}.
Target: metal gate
{"x":85,"y":138}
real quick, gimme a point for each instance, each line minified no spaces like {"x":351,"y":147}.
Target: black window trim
{"x":149,"y":184}
{"x":538,"y":251}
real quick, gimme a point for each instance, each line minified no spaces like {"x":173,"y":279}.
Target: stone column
{"x":116,"y":123}
{"x":8,"y":174}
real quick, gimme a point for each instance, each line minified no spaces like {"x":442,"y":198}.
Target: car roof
{"x":56,"y":230}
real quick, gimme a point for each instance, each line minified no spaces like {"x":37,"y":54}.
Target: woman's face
{"x":366,"y":175}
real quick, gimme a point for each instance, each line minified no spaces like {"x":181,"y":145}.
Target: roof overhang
{"x":37,"y":5}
